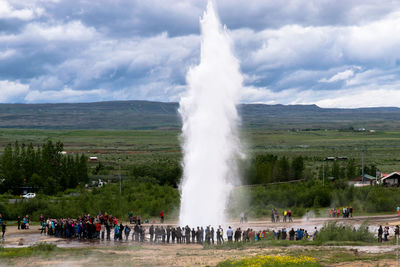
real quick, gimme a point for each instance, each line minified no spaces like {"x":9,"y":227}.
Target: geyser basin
{"x":210,"y":127}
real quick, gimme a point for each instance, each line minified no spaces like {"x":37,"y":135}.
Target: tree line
{"x":344,"y":170}
{"x":43,"y":168}
{"x":165,"y":172}
{"x":268,"y":168}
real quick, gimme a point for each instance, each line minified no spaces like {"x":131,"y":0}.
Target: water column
{"x":210,"y":119}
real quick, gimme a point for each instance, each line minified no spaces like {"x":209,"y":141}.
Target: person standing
{"x":222,"y":234}
{"x":121,"y":231}
{"x":3,"y":229}
{"x":290,"y":215}
{"x":229,"y":234}
{"x":116,"y":232}
{"x":43,"y":229}
{"x":380,"y":233}
{"x":273,"y":215}
{"x":163,"y":234}
{"x":142,"y":233}
{"x":291,"y":234}
{"x":187,"y":234}
{"x":201,"y":235}
{"x":208,"y":237}
{"x":127,"y":232}
{"x":19,"y":222}
{"x":162,"y":217}
{"x":315,"y":233}
{"x":193,"y":236}
{"x":103,"y":229}
{"x":151,"y":231}
{"x":173,"y":234}
{"x":276,"y":216}
{"x":168,"y":233}
{"x":136,"y":233}
{"x":386,"y":233}
{"x":108,"y":230}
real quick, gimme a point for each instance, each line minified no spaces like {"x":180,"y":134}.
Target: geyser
{"x":210,"y":127}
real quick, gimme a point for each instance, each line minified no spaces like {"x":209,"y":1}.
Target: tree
{"x":284,"y":169}
{"x":351,"y":169}
{"x":298,"y":167}
{"x":335,"y":170}
{"x":44,"y":167}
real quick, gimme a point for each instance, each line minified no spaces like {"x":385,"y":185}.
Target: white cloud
{"x":296,"y":46}
{"x":340,"y":76}
{"x":7,"y":11}
{"x":156,"y":58}
{"x":73,"y":31}
{"x":7,"y":54}
{"x":9,"y":90}
{"x":142,"y":49}
{"x":384,"y":96}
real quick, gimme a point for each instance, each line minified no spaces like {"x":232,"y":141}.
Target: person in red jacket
{"x":98,"y":229}
{"x":162,"y":217}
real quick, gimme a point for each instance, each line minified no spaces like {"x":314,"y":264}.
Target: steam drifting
{"x":210,"y":127}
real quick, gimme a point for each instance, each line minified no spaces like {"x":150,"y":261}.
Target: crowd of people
{"x":101,"y":226}
{"x":287,"y":216}
{"x":383,"y":233}
{"x":106,"y":227}
{"x":24,"y":222}
{"x":347,"y":212}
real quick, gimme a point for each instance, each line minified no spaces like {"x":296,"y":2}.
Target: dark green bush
{"x":334,"y":231}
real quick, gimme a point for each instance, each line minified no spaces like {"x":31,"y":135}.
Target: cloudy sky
{"x":343,"y":53}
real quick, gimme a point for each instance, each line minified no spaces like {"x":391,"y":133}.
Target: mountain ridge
{"x":143,"y":114}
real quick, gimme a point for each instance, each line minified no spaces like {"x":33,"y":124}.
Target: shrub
{"x":334,"y":231}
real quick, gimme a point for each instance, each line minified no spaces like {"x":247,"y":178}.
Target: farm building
{"x":391,"y":179}
{"x":358,"y":181}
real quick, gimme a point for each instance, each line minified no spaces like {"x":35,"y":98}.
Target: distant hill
{"x":156,"y":115}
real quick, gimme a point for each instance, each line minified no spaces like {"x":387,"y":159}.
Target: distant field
{"x":133,"y":146}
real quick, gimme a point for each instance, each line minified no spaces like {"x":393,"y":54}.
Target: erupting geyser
{"x":210,"y":127}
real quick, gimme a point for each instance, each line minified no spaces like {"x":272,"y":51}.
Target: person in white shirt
{"x":229,"y":234}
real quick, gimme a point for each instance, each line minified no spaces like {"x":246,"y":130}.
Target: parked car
{"x":29,"y":195}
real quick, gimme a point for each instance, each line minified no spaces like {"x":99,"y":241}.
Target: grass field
{"x":135,"y":146}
